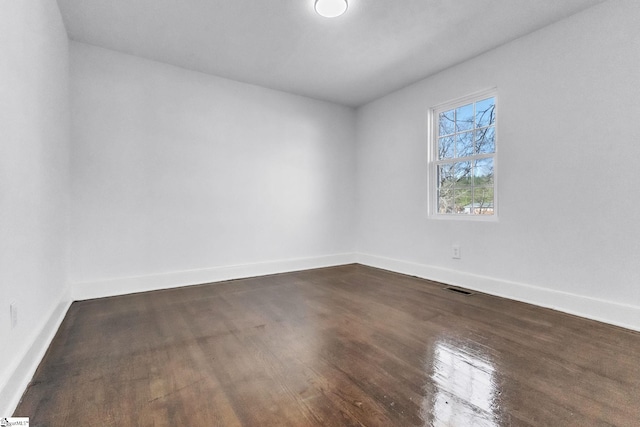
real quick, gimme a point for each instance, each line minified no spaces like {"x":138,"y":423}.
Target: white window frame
{"x":433,"y":161}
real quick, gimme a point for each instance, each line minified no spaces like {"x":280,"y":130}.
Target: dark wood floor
{"x":343,"y":346}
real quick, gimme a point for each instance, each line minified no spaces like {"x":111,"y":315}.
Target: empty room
{"x":319,"y":213}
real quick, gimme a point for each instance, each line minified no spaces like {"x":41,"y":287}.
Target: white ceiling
{"x":378,"y":46}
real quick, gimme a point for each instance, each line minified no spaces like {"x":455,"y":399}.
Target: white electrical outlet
{"x":14,"y":314}
{"x":455,"y":251}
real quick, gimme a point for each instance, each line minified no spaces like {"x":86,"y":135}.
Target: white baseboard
{"x":128,"y":285}
{"x":626,"y":316}
{"x":25,"y":367}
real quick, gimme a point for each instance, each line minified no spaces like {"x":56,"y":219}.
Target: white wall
{"x":34,"y":134}
{"x":175,"y":171}
{"x":568,"y":234}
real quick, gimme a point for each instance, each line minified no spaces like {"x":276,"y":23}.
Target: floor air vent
{"x":458,"y":291}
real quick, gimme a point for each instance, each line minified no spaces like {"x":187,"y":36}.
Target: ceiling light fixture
{"x":331,"y":8}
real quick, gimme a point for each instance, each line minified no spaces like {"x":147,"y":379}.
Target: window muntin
{"x":463,"y":166}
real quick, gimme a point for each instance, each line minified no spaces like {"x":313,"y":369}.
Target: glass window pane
{"x":464,"y":118}
{"x":446,"y":178}
{"x":462,"y":200}
{"x":483,"y":201}
{"x":483,"y":172}
{"x":486,"y":140}
{"x":462,"y":173}
{"x":446,"y":122}
{"x":485,"y":112}
{"x":464,"y":144}
{"x":445,"y":147}
{"x":445,"y":201}
{"x":465,"y":157}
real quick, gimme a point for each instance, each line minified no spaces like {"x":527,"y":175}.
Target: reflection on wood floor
{"x":342,"y":346}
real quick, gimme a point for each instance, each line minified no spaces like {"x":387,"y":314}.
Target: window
{"x":463,"y":158}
